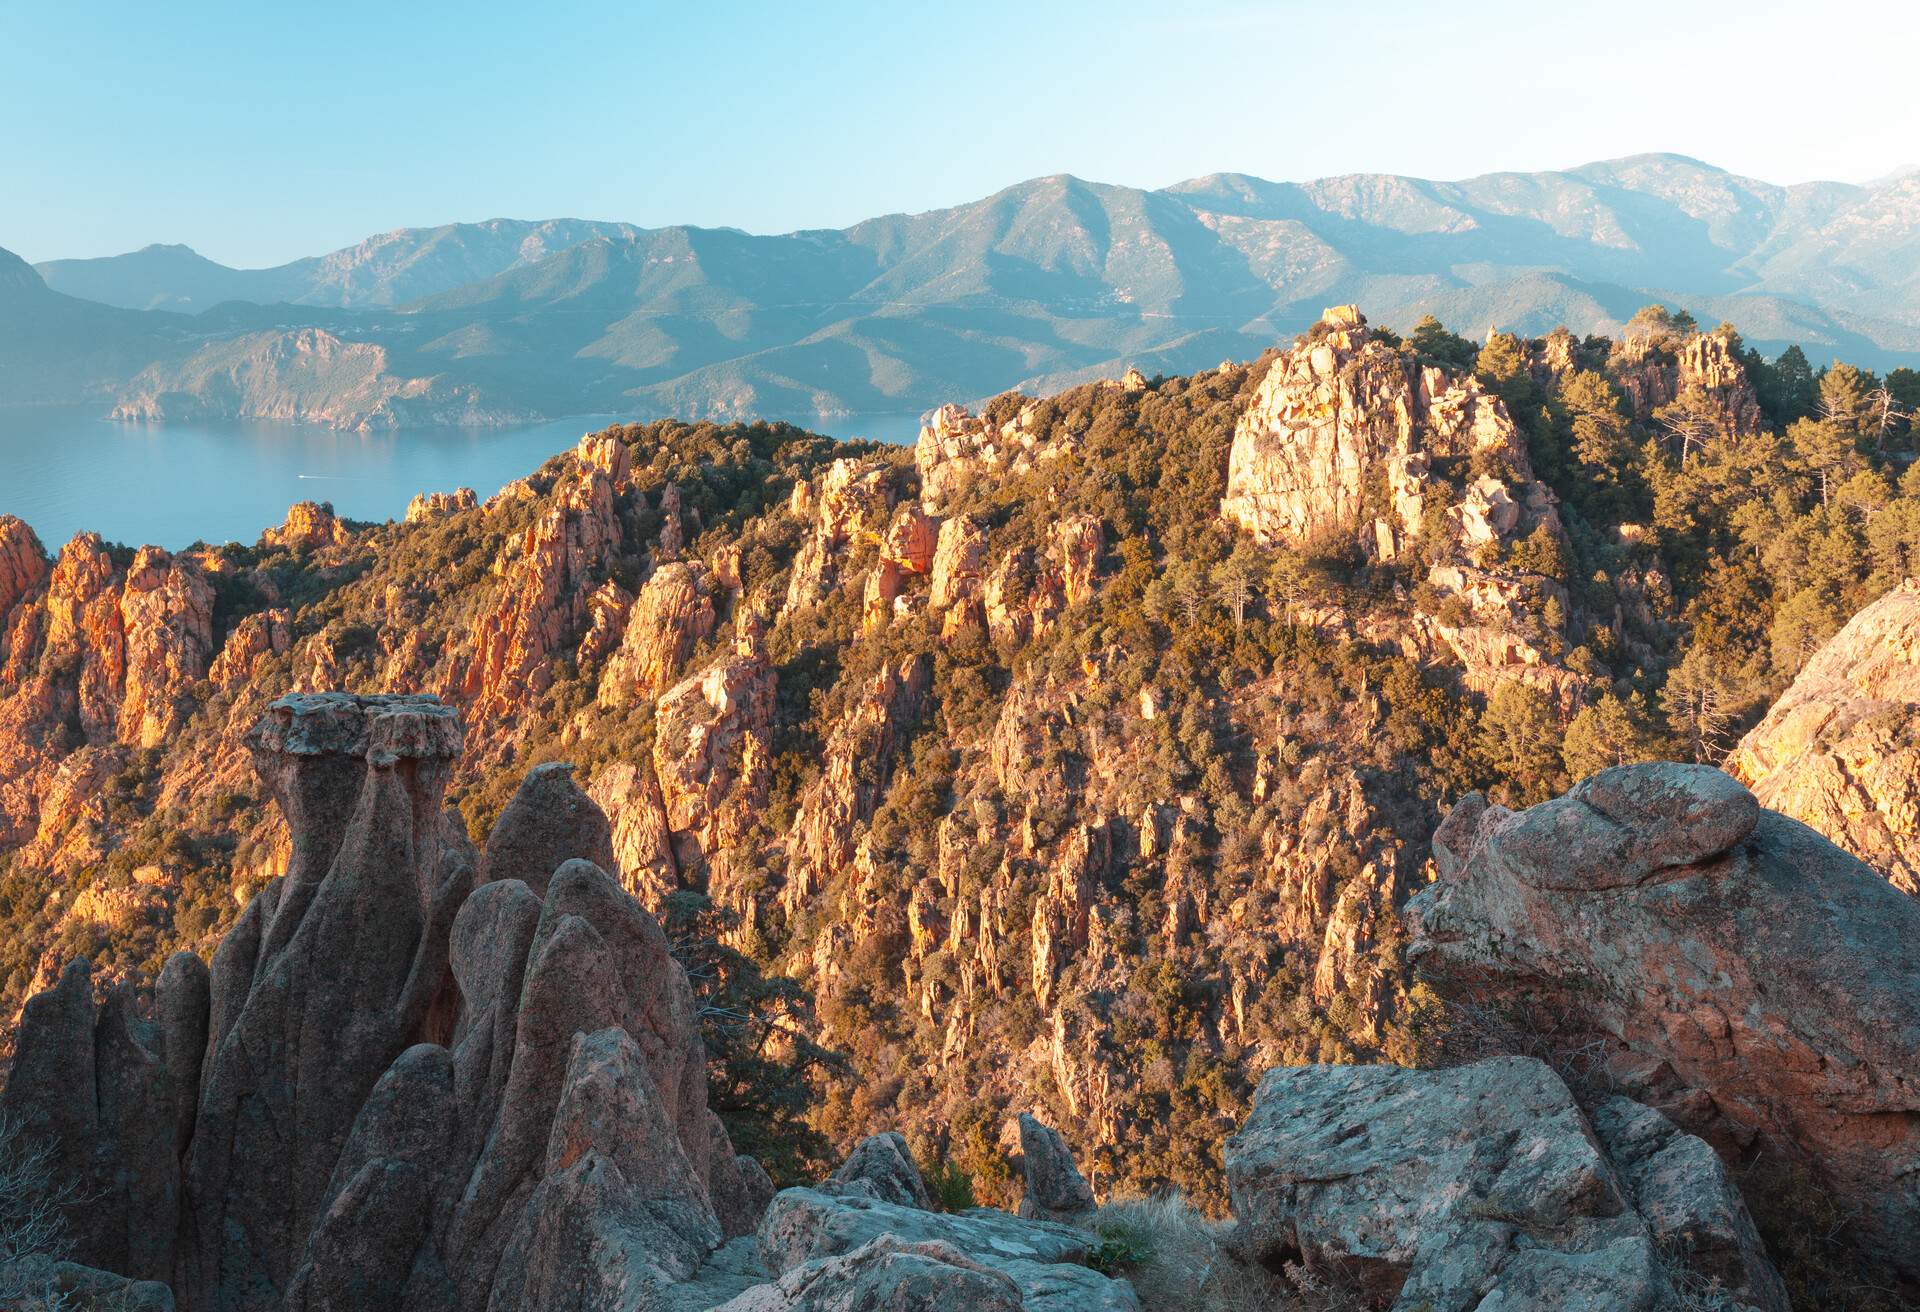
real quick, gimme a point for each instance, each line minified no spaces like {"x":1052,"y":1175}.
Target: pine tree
{"x":1796,"y":392}
{"x":1846,"y":398}
{"x":1825,"y":449}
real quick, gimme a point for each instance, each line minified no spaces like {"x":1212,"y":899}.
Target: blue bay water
{"x":172,"y":484}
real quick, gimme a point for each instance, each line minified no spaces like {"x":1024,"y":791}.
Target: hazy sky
{"x":259,"y":132}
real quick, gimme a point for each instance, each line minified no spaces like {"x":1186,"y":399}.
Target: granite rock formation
{"x":1736,"y":970}
{"x":1055,"y":1189}
{"x":1840,"y":750}
{"x":413,"y":1077}
{"x":1485,"y":1186}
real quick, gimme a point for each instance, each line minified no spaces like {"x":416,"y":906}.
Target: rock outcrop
{"x":309,"y":525}
{"x":413,"y":1078}
{"x":546,"y":576}
{"x":881,"y":1166}
{"x":1734,"y":968}
{"x":1840,"y":749}
{"x":23,"y":563}
{"x":166,"y":619}
{"x":1341,"y":410}
{"x":1654,"y":371}
{"x":672,"y":613}
{"x":1350,"y":439}
{"x":1044,"y":1262}
{"x":713,"y":756}
{"x":1055,"y":1189}
{"x":257,"y":637}
{"x":955,"y":447}
{"x":1484,"y":1186}
{"x":437,"y":505}
{"x":859,"y":757}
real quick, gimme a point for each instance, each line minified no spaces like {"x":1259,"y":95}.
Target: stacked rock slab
{"x":1738,"y":970}
{"x":1484,"y":1186}
{"x":412,"y":1080}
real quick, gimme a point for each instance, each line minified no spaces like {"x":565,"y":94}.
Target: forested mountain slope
{"x":1076,"y":758}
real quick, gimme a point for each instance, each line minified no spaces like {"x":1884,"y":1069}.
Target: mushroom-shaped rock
{"x":336,"y":970}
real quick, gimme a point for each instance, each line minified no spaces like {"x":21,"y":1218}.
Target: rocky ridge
{"x":417,"y":1075}
{"x":1042,"y":819}
{"x":420,"y":1076}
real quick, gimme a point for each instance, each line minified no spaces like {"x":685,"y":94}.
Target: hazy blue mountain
{"x":1044,"y":283}
{"x":60,"y":350}
{"x":394,"y":267}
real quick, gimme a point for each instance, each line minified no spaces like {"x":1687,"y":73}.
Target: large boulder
{"x":887,"y":1275}
{"x":1727,"y":964}
{"x":1840,"y":750}
{"x":881,"y":1166}
{"x":1479,"y":1186}
{"x":1045,"y":1261}
{"x":1055,"y":1189}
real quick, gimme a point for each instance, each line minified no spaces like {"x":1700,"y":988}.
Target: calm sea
{"x":173,"y":484}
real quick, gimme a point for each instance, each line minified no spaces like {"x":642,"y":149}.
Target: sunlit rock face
{"x":1734,"y":968}
{"x":1840,"y":750}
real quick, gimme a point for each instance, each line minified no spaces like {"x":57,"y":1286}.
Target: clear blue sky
{"x":259,"y":132}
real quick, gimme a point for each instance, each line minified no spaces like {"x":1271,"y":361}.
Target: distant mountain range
{"x":1043,"y":284}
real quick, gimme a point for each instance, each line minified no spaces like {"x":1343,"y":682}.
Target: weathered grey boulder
{"x":1729,"y":965}
{"x":887,"y":1275}
{"x":1479,"y":1186}
{"x":1681,"y":1189}
{"x":33,"y":1283}
{"x":1045,"y":1260}
{"x":548,"y":821}
{"x":881,"y":1166}
{"x":738,"y":1185}
{"x":1055,"y":1189}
